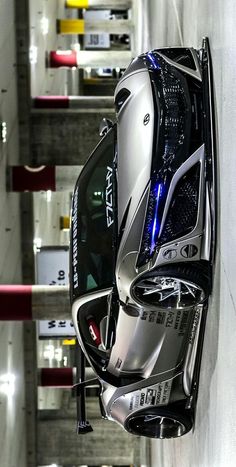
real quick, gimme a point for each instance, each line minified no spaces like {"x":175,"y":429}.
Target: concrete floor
{"x":162,"y":22}
{"x":213,"y":442}
{"x":12,"y":406}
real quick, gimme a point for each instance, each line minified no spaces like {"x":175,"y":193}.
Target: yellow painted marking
{"x":71,"y":26}
{"x":64,"y":222}
{"x":69,"y":342}
{"x":77,"y":3}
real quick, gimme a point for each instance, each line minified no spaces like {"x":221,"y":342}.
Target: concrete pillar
{"x":73,"y":102}
{"x":92,"y":59}
{"x":99,"y":4}
{"x":30,"y":302}
{"x":42,"y":178}
{"x":81,"y":26}
{"x":108,"y":444}
{"x":64,"y":138}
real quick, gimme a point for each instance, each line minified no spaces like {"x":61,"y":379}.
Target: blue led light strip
{"x":156,"y":224}
{"x":153,"y":60}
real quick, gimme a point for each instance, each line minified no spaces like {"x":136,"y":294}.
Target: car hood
{"x":134,"y":141}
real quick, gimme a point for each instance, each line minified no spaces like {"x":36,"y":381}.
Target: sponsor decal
{"x":136,"y":401}
{"x":161,"y":316}
{"x":172,"y":319}
{"x":194,"y":327}
{"x":184,"y":322}
{"x":142,"y":398}
{"x":151,"y":397}
{"x":153,"y":316}
{"x":109,"y":197}
{"x":131,"y":403}
{"x":178,"y":319}
{"x":189,"y":251}
{"x":163,"y":393}
{"x":156,"y":395}
{"x":75,"y":239}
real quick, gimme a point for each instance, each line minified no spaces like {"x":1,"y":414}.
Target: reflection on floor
{"x":12,"y":403}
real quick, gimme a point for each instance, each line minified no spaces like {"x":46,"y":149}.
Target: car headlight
{"x":156,"y":202}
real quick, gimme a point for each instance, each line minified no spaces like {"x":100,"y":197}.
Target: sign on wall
{"x":96,"y":41}
{"x":56,"y":329}
{"x":52,"y":268}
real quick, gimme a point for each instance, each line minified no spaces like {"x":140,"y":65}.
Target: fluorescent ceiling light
{"x":33,"y":54}
{"x":7,"y":384}
{"x":44,"y":25}
{"x":4,"y":132}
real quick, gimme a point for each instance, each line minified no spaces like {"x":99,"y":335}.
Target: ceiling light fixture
{"x":33,"y":54}
{"x":4,"y":132}
{"x":44,"y":25}
{"x":7,"y":384}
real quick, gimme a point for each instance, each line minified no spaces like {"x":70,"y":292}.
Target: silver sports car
{"x":143,"y":240}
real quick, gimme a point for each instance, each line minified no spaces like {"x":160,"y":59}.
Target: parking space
{"x":212,"y":442}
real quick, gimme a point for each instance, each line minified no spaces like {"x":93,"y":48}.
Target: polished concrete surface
{"x":162,"y":22}
{"x":43,"y":16}
{"x":12,"y":402}
{"x":213,"y":442}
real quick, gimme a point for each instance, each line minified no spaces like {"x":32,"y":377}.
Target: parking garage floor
{"x":213,"y":441}
{"x":162,"y":22}
{"x":12,"y":404}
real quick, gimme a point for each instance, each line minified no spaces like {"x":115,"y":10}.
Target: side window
{"x":94,"y":220}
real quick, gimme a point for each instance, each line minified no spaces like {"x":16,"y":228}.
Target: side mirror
{"x":105,"y":126}
{"x":108,"y":332}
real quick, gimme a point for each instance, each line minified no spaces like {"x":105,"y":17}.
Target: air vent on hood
{"x":180,"y":55}
{"x":121,"y":97}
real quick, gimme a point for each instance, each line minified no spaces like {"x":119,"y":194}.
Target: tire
{"x":159,"y":422}
{"x":176,"y":286}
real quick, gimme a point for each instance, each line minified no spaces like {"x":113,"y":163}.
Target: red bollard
{"x":43,"y":178}
{"x":62,"y":58}
{"x":62,"y":377}
{"x":25,"y":178}
{"x":29,"y":302}
{"x":56,"y":377}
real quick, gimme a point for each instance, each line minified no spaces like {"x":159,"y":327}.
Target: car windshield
{"x":93,"y":226}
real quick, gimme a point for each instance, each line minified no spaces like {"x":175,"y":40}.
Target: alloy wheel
{"x":169,"y":292}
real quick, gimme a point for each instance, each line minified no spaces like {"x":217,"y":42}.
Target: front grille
{"x":172,"y":102}
{"x":174,"y":124}
{"x":179,"y":55}
{"x":182,"y":214}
